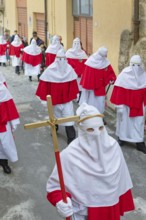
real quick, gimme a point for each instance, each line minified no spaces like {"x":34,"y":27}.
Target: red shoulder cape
{"x":97,"y":79}
{"x":78,"y":65}
{"x":15,"y":51}
{"x":33,"y":60}
{"x":8,"y":112}
{"x":3,"y":48}
{"x":60,"y":92}
{"x":134,"y":99}
{"x":50,"y":58}
{"x":114,"y":212}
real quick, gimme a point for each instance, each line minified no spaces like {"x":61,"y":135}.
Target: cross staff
{"x":52,"y":122}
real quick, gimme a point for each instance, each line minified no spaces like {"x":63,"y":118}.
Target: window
{"x":82,"y":7}
{"x":85,"y":10}
{"x":76,"y":7}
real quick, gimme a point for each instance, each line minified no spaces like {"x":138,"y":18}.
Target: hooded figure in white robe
{"x":52,"y":50}
{"x":129,"y":96}
{"x":32,"y":58}
{"x":77,"y":57}
{"x":3,"y":48}
{"x":9,"y":119}
{"x":97,"y":180}
{"x":97,"y":75}
{"x":59,"y":81}
{"x":16,"y":51}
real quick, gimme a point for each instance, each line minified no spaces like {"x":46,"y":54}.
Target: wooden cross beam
{"x":52,"y":122}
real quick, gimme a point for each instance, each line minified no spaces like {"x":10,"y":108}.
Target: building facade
{"x":97,"y":23}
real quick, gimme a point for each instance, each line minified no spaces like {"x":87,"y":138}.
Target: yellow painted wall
{"x":60,"y":20}
{"x":33,"y":6}
{"x":10,"y":16}
{"x":110,"y":18}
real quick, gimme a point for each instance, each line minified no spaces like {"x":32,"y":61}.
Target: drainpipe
{"x":46,"y":22}
{"x":136,"y":21}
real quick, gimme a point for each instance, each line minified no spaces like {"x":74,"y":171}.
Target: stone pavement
{"x":23,"y":193}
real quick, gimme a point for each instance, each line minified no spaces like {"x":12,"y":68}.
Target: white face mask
{"x":91,"y":140}
{"x":55,"y":41}
{"x":94,"y":131}
{"x":61,"y":62}
{"x":76,"y":45}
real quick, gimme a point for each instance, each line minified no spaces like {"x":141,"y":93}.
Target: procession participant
{"x":16,"y":52}
{"x":97,"y":180}
{"x":60,"y":39}
{"x":3,"y":49}
{"x":59,"y":81}
{"x":97,"y":75}
{"x":129,"y":96}
{"x":9,"y":119}
{"x":32,"y":58}
{"x":7,"y":38}
{"x":52,"y":50}
{"x":39,"y":41}
{"x":13,"y":36}
{"x":76,"y":58}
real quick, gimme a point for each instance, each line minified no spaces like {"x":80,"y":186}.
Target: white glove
{"x":65,"y":209}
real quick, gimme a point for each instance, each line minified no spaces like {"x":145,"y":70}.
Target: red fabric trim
{"x":78,"y":65}
{"x":56,"y":196}
{"x":33,"y":60}
{"x":60,"y":92}
{"x":15,"y":51}
{"x":134,"y":99}
{"x":3,"y":118}
{"x":3,"y":48}
{"x":8,"y":112}
{"x":114,"y":212}
{"x":97,"y":79}
{"x":125,"y":204}
{"x":50,"y":58}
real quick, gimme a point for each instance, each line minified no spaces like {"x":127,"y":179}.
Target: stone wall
{"x":127,"y":47}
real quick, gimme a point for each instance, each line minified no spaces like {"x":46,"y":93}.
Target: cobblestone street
{"x":23,"y":193}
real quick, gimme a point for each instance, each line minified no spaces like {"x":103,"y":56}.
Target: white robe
{"x":3,"y":59}
{"x":7,"y":144}
{"x":60,"y":71}
{"x":102,"y":167}
{"x":63,"y":111}
{"x":96,"y":101}
{"x":16,"y":61}
{"x":32,"y":70}
{"x":130,"y":129}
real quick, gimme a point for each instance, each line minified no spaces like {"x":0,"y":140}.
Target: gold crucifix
{"x":52,"y":121}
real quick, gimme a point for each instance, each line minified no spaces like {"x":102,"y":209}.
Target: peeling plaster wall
{"x":127,"y":47}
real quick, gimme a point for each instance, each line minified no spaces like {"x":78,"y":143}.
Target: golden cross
{"x":52,"y":122}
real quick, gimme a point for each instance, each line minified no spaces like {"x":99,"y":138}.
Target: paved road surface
{"x":23,"y":193}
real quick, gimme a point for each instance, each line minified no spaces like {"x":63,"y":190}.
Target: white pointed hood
{"x":99,"y":59}
{"x":94,"y":169}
